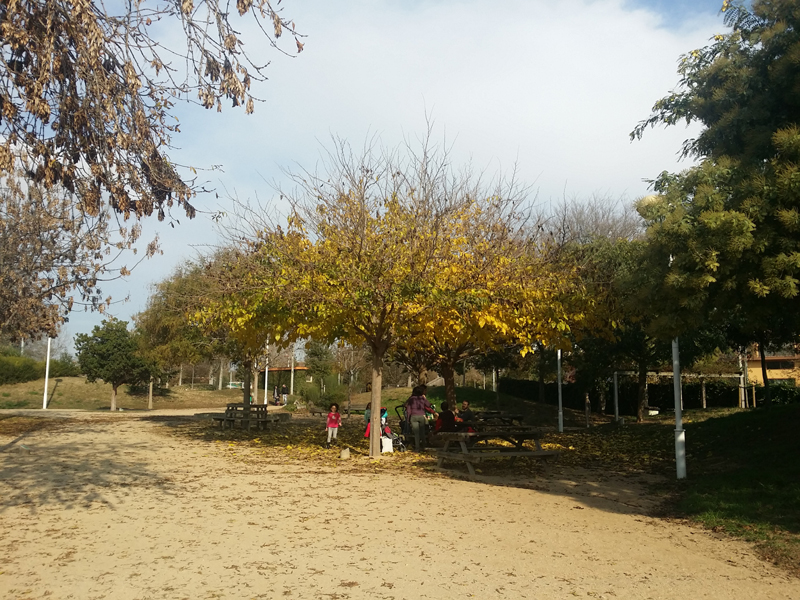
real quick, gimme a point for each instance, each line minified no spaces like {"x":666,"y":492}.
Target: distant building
{"x":783,"y":366}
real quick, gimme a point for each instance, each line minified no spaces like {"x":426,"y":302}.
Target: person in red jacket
{"x":334,"y":420}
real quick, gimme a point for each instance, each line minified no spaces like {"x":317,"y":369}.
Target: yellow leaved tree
{"x":397,"y":250}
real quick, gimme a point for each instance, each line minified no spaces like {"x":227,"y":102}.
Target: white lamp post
{"x":680,"y":434}
{"x":46,"y":375}
{"x":560,"y":400}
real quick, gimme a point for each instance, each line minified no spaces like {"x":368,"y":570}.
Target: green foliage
{"x":724,"y":243}
{"x":167,"y":334}
{"x":18,"y":369}
{"x":64,"y":366}
{"x":110,"y":353}
{"x":319,"y":359}
{"x":311,"y":396}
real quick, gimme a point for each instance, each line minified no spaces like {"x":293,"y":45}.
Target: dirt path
{"x":112,"y":508}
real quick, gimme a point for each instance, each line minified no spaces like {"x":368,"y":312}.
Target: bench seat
{"x":503,"y":452}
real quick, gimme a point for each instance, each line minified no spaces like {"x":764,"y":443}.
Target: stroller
{"x":398,"y":442}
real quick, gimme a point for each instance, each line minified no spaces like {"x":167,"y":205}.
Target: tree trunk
{"x":221,"y":365}
{"x":496,"y":386}
{"x":375,"y":398}
{"x":703,"y":391}
{"x":449,"y":374}
{"x":248,"y":366}
{"x":150,"y":395}
{"x":767,"y":398}
{"x":422,"y":376}
{"x":642,"y":395}
{"x":113,"y":398}
{"x":542,"y":367}
{"x":255,"y":386}
{"x":180,"y":376}
{"x":602,"y":394}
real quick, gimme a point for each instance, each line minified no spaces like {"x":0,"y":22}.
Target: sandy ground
{"x":111,"y":507}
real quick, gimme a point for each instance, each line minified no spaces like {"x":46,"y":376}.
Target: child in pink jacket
{"x":334,"y":420}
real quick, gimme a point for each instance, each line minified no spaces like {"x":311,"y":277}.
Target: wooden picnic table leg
{"x":465,"y":450}
{"x":441,"y":458}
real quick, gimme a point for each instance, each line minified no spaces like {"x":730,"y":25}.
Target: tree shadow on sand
{"x":73,"y":470}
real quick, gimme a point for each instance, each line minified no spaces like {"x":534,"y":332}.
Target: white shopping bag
{"x":386,"y":445}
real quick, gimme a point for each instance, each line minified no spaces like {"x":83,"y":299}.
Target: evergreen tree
{"x":110,"y":353}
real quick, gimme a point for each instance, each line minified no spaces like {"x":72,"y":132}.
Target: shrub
{"x":19,"y":369}
{"x":311,"y":396}
{"x":64,"y":366}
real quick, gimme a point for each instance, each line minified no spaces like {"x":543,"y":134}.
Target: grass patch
{"x":745,"y":479}
{"x":13,"y":404}
{"x":74,"y":392}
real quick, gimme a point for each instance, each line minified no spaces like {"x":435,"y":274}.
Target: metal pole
{"x":291,"y":380}
{"x":266,"y":377}
{"x":616,"y":398}
{"x":560,"y":399}
{"x":680,"y":434}
{"x":46,"y":375}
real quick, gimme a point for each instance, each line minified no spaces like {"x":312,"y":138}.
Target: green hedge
{"x":19,"y":369}
{"x":64,"y":366}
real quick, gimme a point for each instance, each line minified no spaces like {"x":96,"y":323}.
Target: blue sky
{"x":551,"y":87}
{"x":678,"y":12}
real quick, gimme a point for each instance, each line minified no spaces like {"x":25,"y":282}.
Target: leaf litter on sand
{"x":14,"y":426}
{"x":303,"y":441}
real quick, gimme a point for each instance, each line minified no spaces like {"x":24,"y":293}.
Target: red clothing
{"x":334,"y":419}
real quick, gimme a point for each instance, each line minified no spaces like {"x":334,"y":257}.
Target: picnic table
{"x":498,"y":417}
{"x":473,"y":451}
{"x":235,"y":413}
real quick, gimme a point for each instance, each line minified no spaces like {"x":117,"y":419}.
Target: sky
{"x":552,"y":89}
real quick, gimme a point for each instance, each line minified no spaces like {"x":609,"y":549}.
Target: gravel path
{"x":111,"y":507}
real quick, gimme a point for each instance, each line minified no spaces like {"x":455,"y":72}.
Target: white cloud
{"x":554,"y":87}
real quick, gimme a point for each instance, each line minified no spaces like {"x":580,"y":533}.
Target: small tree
{"x":110,"y":353}
{"x":319,"y":360}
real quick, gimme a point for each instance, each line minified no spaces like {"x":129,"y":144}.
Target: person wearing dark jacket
{"x":446,"y":420}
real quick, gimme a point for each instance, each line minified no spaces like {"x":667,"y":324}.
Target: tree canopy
{"x":87,"y":112}
{"x":724,"y":235}
{"x":399,"y":250}
{"x":87,"y":95}
{"x":110,"y":353}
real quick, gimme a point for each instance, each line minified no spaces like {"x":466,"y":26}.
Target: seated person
{"x":446,"y":420}
{"x":465,"y":414}
{"x":367,"y":412}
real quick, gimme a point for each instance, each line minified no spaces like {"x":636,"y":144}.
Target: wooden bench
{"x":235,"y":413}
{"x":317,"y":410}
{"x":356,"y":408}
